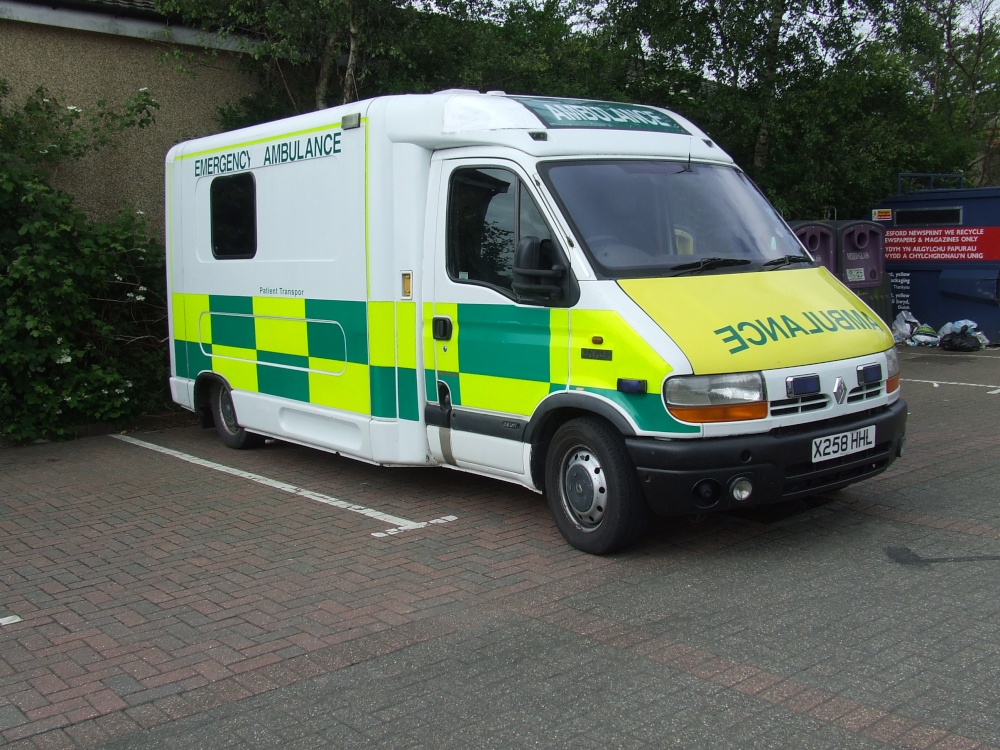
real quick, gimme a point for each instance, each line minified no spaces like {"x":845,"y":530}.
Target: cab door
{"x":497,"y":355}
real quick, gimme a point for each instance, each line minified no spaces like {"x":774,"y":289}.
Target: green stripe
{"x":233,"y":330}
{"x":229,"y":328}
{"x":326,"y":341}
{"x":647,"y":410}
{"x":406,"y":383}
{"x":383,"y":384}
{"x":181,"y":359}
{"x":504,"y":341}
{"x":190,"y":360}
{"x":229,"y":304}
{"x":280,"y":381}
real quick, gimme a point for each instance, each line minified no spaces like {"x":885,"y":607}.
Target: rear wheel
{"x":226,"y":422}
{"x":592,"y":488}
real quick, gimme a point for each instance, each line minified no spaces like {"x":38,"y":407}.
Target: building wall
{"x":81,"y":67}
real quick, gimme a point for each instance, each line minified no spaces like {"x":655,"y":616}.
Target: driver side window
{"x":489,"y":211}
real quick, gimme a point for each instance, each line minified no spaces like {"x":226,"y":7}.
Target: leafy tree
{"x":310,"y":50}
{"x":748,"y":53}
{"x":840,"y":138}
{"x":82,"y":314}
{"x":953,"y":47}
{"x":823,"y":101}
{"x":520,"y":48}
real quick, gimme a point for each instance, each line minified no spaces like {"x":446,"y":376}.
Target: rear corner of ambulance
{"x":181,"y":387}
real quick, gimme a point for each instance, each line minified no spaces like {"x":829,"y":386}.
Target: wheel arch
{"x":203,"y":395}
{"x":557,"y":410}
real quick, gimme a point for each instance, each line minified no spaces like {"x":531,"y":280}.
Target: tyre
{"x":226,"y":422}
{"x":592,"y":488}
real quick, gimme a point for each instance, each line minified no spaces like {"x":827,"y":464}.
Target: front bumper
{"x":692,"y":476}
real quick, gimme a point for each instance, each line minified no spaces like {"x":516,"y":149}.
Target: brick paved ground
{"x":167,"y":605}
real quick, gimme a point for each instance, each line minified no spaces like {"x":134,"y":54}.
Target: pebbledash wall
{"x":89,"y":50}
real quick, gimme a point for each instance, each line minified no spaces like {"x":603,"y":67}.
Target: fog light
{"x":740,"y":489}
{"x":707,"y":493}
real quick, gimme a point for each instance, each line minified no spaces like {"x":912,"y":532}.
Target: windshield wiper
{"x":786,"y":260}
{"x":707,"y":264}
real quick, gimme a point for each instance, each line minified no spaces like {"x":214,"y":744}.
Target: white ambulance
{"x":586,"y":298}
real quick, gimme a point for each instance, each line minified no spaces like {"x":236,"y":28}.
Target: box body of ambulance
{"x":586,"y":298}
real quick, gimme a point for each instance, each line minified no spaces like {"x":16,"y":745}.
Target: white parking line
{"x":399,"y":525}
{"x":936,"y":383}
{"x":991,"y":354}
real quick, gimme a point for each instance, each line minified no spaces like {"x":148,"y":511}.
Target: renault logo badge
{"x":840,"y":390}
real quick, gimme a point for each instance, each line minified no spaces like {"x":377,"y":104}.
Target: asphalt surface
{"x":287,"y":598}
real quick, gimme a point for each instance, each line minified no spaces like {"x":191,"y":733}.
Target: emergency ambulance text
{"x":576,"y":113}
{"x":303,"y":148}
{"x":234,"y":161}
{"x":759,"y":332}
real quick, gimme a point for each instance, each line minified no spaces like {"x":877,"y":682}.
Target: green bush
{"x":82,"y":302}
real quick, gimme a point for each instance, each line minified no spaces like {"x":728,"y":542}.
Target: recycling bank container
{"x":942,"y":252}
{"x":854,"y":252}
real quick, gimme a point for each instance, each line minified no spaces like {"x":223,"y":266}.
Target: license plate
{"x":843,"y":444}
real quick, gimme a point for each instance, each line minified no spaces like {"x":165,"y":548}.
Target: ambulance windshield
{"x":669,"y":218}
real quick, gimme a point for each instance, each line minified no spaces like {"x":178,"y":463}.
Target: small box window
{"x":929,"y":217}
{"x":234,"y":216}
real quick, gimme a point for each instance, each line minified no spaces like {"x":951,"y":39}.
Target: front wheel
{"x":226,"y":423}
{"x":592,"y":488}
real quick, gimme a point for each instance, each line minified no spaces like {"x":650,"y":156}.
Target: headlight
{"x":892,"y":374}
{"x":716,"y":398}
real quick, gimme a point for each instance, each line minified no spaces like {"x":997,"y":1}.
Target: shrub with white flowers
{"x":82,"y":302}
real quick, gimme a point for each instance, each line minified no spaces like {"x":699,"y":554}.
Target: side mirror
{"x":537,"y":275}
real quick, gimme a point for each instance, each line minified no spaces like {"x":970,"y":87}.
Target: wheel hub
{"x":584,"y":488}
{"x":228,"y":411}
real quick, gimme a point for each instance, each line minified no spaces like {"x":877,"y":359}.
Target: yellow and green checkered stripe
{"x":506,"y":359}
{"x":498,"y":358}
{"x":309,"y":350}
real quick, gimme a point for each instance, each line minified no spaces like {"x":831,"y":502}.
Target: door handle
{"x":442,"y":329}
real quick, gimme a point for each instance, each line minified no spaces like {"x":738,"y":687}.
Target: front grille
{"x":829,"y":426}
{"x":809,"y":477}
{"x":864,"y":392}
{"x":798,"y":405}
